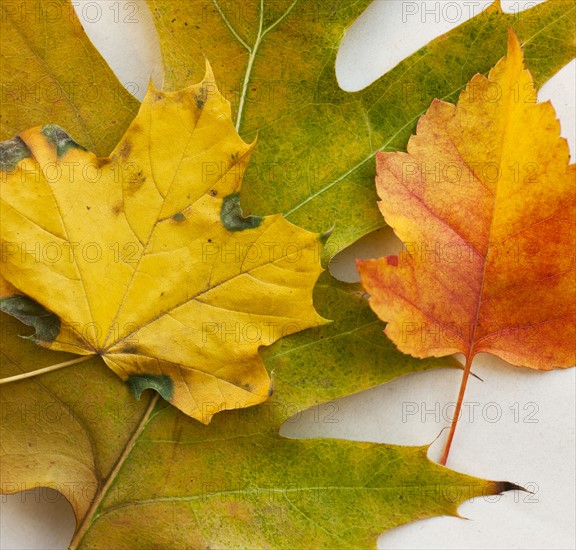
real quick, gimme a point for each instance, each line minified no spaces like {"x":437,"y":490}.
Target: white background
{"x":518,"y":425}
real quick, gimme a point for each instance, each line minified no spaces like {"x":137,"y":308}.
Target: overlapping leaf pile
{"x":237,"y":483}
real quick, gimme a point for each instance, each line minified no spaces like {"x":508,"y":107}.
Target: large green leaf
{"x":51,"y":72}
{"x":316,"y":143}
{"x":143,"y":475}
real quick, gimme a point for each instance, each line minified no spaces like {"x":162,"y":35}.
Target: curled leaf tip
{"x":323,"y":237}
{"x":504,"y":486}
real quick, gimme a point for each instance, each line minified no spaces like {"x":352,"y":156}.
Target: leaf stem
{"x":86,"y":521}
{"x":38,"y":372}
{"x":456,"y":416}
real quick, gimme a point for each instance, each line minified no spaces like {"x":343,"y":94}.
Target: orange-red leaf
{"x":484,"y":202}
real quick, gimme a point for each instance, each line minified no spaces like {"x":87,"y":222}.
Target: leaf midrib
{"x":258,"y":490}
{"x":252,"y":50}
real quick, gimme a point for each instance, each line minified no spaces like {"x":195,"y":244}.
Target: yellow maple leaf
{"x":145,"y":258}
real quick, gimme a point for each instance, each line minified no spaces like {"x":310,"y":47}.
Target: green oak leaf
{"x":144,"y":475}
{"x":316,"y":143}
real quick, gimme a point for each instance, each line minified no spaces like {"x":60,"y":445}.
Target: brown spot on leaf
{"x":118,"y":208}
{"x":125,"y":150}
{"x":101,"y":162}
{"x":135,"y":181}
